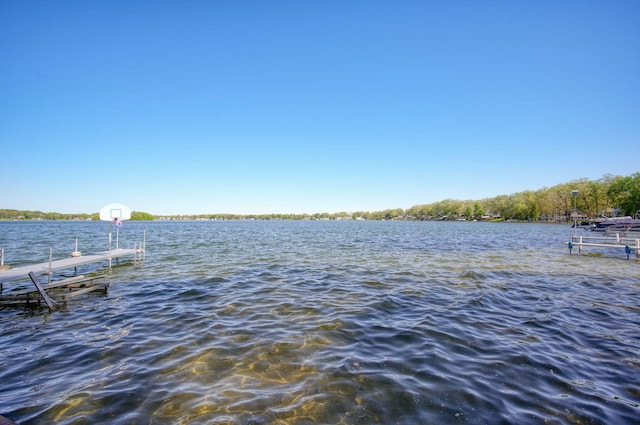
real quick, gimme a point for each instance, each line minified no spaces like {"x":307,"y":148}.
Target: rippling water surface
{"x":346,"y":322}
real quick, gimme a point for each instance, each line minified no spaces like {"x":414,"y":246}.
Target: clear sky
{"x":186,"y":107}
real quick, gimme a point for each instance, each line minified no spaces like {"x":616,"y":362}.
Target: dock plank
{"x":91,"y":288}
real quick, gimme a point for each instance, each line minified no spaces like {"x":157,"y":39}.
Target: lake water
{"x":327,"y":322}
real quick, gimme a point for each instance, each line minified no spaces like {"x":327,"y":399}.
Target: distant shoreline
{"x":563,"y":203}
{"x":187,"y":219}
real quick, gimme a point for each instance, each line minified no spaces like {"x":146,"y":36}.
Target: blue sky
{"x":186,"y":107}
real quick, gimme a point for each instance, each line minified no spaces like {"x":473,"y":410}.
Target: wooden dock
{"x":628,"y":244}
{"x":73,"y":286}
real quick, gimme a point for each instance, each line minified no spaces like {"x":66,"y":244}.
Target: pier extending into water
{"x":76,"y":285}
{"x":619,"y":241}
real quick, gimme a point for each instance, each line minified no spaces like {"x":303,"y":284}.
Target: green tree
{"x":517,"y":208}
{"x":625,"y":194}
{"x":478,"y":211}
{"x":468,"y":212}
{"x":139,"y":215}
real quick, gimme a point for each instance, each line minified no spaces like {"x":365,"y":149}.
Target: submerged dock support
{"x":50,"y":303}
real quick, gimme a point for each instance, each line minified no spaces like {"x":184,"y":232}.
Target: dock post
{"x":109,"y":250}
{"x":580,"y":245}
{"x":1,"y":266}
{"x":50,"y":258}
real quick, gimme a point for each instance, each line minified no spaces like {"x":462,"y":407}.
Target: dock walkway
{"x":22,"y":273}
{"x":629,"y":244}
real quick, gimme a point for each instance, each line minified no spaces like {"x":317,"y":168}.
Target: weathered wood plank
{"x":84,"y":290}
{"x":50,"y":303}
{"x":14,"y":298}
{"x":71,"y":281}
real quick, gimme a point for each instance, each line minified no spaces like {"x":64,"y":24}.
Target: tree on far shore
{"x":625,"y":192}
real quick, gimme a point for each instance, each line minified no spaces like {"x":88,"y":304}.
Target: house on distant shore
{"x":578,"y":215}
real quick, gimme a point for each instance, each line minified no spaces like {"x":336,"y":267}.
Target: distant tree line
{"x":583,"y":198}
{"x":607,"y":196}
{"x":7,"y":214}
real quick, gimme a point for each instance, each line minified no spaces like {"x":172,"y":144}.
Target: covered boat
{"x":618,"y":224}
